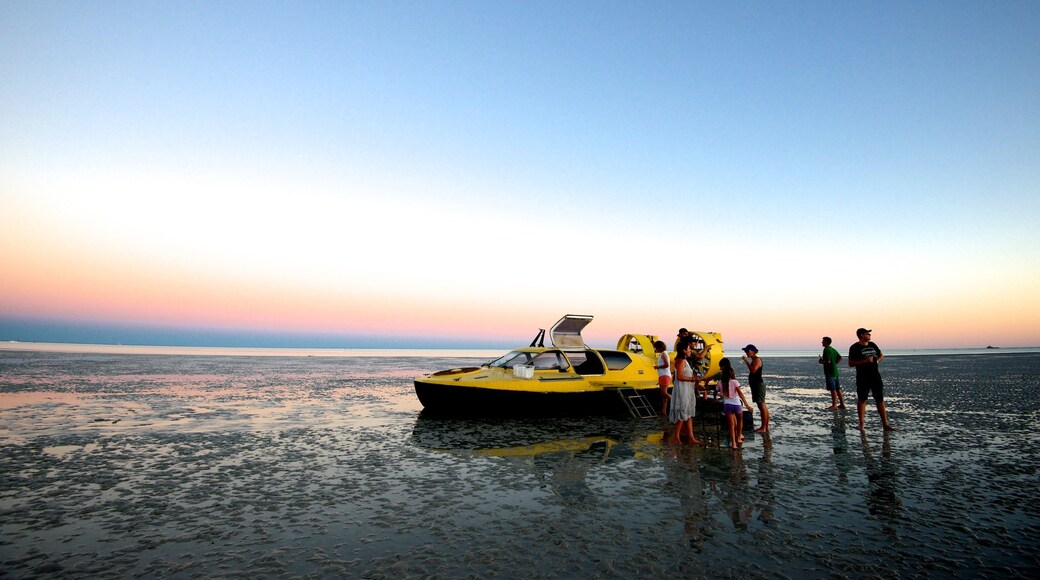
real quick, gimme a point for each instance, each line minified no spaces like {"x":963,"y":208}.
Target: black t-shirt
{"x":866,"y":373}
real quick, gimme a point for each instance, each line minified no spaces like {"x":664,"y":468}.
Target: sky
{"x":463,"y":173}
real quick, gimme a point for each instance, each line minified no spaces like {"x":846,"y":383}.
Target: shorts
{"x":664,"y":381}
{"x":731,"y":409}
{"x":833,"y":384}
{"x":758,"y":392}
{"x":877,"y":390}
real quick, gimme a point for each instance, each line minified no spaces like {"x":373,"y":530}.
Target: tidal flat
{"x":237,"y":466}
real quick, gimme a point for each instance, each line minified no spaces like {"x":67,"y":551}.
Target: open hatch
{"x":566,"y":333}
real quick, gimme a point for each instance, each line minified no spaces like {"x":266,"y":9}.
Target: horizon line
{"x":377,"y":351}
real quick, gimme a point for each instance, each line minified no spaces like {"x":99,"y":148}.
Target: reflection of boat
{"x":557,"y":453}
{"x":568,"y":377}
{"x":593,"y":437}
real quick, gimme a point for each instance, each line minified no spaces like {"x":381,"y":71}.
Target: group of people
{"x":864,"y":356}
{"x":679,"y":402}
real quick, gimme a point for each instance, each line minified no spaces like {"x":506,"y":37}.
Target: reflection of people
{"x":830,"y":359}
{"x":882,"y":501}
{"x":684,"y":478}
{"x":758,"y":386}
{"x":736,"y":500}
{"x":684,"y":399}
{"x":865,"y":356}
{"x":841,"y":447}
{"x":764,"y":486}
{"x":664,"y":374}
{"x":733,"y":403}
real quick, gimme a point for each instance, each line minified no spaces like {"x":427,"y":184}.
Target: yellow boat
{"x":566,"y":378}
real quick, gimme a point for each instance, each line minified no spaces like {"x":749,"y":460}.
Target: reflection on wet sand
{"x":840,"y":443}
{"x":882,"y":501}
{"x":195,"y":466}
{"x":603,"y":439}
{"x":764,"y":494}
{"x":708,"y":485}
{"x":558,"y":451}
{"x":713,"y":485}
{"x":683,"y":481}
{"x":736,"y":495}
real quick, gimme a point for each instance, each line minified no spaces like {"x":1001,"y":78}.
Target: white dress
{"x":684,"y":395}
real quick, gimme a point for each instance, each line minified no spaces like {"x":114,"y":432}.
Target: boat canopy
{"x":566,"y":333}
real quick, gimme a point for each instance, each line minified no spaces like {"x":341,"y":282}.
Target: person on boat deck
{"x":758,"y":386}
{"x":699,"y":362}
{"x":664,"y":374}
{"x":733,"y":403}
{"x":684,"y":398}
{"x":683,"y":335}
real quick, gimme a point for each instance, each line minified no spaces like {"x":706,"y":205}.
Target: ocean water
{"x":247,"y":466}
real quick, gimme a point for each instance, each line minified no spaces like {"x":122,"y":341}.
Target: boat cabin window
{"x":550,"y":360}
{"x":616,"y":360}
{"x":585,"y":362}
{"x":512,"y":359}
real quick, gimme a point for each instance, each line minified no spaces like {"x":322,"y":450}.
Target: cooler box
{"x":523,"y":371}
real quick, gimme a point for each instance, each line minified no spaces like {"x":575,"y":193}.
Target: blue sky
{"x":477,"y":169}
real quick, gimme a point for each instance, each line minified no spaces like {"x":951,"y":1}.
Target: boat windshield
{"x":512,"y":359}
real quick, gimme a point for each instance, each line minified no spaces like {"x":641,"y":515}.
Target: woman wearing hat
{"x":758,"y":386}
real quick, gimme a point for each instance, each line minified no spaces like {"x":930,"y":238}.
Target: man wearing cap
{"x":758,"y":386}
{"x":683,"y":333}
{"x":865,"y":356}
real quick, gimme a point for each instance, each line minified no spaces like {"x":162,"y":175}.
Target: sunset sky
{"x":460,"y":174}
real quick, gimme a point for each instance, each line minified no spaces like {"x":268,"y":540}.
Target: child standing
{"x":732,"y":401}
{"x":664,"y":375}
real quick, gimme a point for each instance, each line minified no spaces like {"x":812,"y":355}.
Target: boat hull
{"x":465,"y":400}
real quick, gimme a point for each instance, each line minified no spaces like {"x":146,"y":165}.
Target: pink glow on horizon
{"x":118,"y":292}
{"x":61,"y":279}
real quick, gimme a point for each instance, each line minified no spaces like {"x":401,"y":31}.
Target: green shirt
{"x":830,"y":361}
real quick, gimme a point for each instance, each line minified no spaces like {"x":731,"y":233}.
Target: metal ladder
{"x":638,"y":405}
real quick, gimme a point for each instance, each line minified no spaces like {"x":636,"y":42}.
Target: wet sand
{"x":246,"y":466}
